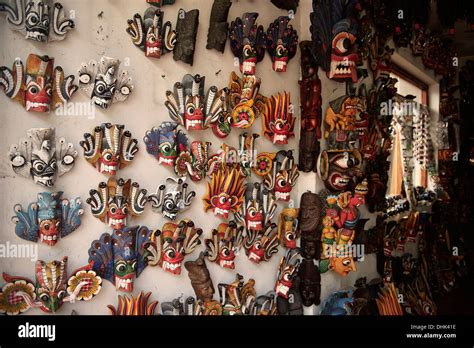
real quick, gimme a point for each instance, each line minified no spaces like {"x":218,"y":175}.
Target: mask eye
{"x":100,"y":87}
{"x":258,"y":246}
{"x":61,"y":294}
{"x":286,"y":277}
{"x":44,"y":297}
{"x":33,"y":89}
{"x":108,"y":156}
{"x":53,"y":164}
{"x":290,"y":236}
{"x":32,"y":18}
{"x":225,"y":251}
{"x":134,"y":265}
{"x":346,"y":262}
{"x":39,"y":165}
{"x":247,"y":51}
{"x":113,"y":210}
{"x":121,"y":267}
{"x":49,"y":91}
{"x":281,"y":182}
{"x":222,"y":200}
{"x":190,"y":109}
{"x":125,"y":210}
{"x":170,"y":253}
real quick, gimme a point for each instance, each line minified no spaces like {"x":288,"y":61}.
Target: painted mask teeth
{"x":108,"y":169}
{"x":248,"y":67}
{"x":48,"y":238}
{"x":221,"y":212}
{"x":101,"y":102}
{"x":152,"y":50}
{"x":46,"y":180}
{"x":343,"y":67}
{"x":169,"y":215}
{"x":124,"y":284}
{"x":254,"y":257}
{"x":283,"y":196}
{"x":255,"y":225}
{"x":282,"y":289}
{"x":117,"y":222}
{"x":35,"y":35}
{"x":280,"y":65}
{"x":30,"y":105}
{"x":193,"y":124}
{"x":226,"y":264}
{"x":279,"y":138}
{"x":174,"y":268}
{"x":167,"y":161}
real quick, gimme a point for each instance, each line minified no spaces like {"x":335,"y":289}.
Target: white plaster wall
{"x":144,"y":109}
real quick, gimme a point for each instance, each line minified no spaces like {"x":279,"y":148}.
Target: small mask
{"x":337,"y":168}
{"x":41,"y":88}
{"x":103,"y":83}
{"x":247,"y":42}
{"x":310,"y":284}
{"x":190,"y":107}
{"x":237,"y":297}
{"x":218,"y":26}
{"x":110,"y":148}
{"x":245,"y":100}
{"x":196,"y":162}
{"x":42,"y":156}
{"x":169,"y":247}
{"x":283,"y":176}
{"x":282,"y":43}
{"x":38,"y":20}
{"x":225,"y":192}
{"x":51,"y":289}
{"x":121,"y":257}
{"x":48,"y":219}
{"x":139,"y":305}
{"x":165,"y":143}
{"x":200,"y":278}
{"x":261,"y":245}
{"x":288,"y":231}
{"x":224,"y":244}
{"x":333,"y":32}
{"x":222,"y":126}
{"x":115,"y":200}
{"x":186,"y":32}
{"x":278,"y":120}
{"x":150,"y":35}
{"x":286,"y":272}
{"x":258,"y":208}
{"x":172,"y":199}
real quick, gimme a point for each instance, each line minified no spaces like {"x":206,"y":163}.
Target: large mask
{"x":261,"y":245}
{"x":42,"y":156}
{"x":237,"y":297}
{"x":278,"y":120}
{"x":121,"y":257}
{"x":310,"y":283}
{"x":337,"y":168}
{"x":186,"y":32}
{"x":247,"y":42}
{"x":166,"y":142}
{"x":139,"y":305}
{"x":190,"y":106}
{"x":38,"y":20}
{"x":41,"y":88}
{"x":225,"y":192}
{"x":258,"y":208}
{"x":48,"y":219}
{"x":288,"y":231}
{"x":311,"y":114}
{"x":333,"y":32}
{"x":109,"y":148}
{"x":172,"y":199}
{"x":286,"y":272}
{"x":200,"y":278}
{"x":224,"y":244}
{"x":281,"y":43}
{"x":116,"y":200}
{"x":169,"y":247}
{"x":218,"y":26}
{"x":52,"y":288}
{"x":103,"y":83}
{"x":245,"y":100}
{"x":283,"y":176}
{"x":150,"y":35}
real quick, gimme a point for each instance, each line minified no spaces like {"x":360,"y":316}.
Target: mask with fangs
{"x":41,"y":88}
{"x":52,"y":288}
{"x":109,"y":148}
{"x":121,"y":257}
{"x":103,"y":83}
{"x":283,"y":176}
{"x":190,"y":107}
{"x":333,"y":32}
{"x":245,"y":100}
{"x":48,"y":219}
{"x":150,"y":34}
{"x":247,"y":42}
{"x":224,"y":244}
{"x":171,"y":199}
{"x":337,"y":168}
{"x":37,"y":19}
{"x":113,"y":202}
{"x":278,"y":120}
{"x":225,"y":192}
{"x":288,"y":231}
{"x":139,"y":305}
{"x":169,"y":246}
{"x":287,"y":270}
{"x":282,"y":43}
{"x":165,"y":143}
{"x":261,"y":245}
{"x":42,"y":156}
{"x":237,"y":297}
{"x":258,"y":208}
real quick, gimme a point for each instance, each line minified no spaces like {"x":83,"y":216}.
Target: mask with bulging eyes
{"x":103,"y":82}
{"x":42,"y":156}
{"x":337,"y":168}
{"x":281,"y":43}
